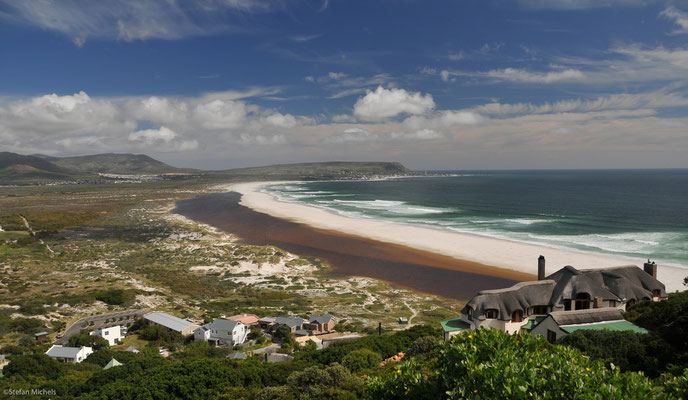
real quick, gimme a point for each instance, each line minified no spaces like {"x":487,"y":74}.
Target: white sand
{"x":516,"y":256}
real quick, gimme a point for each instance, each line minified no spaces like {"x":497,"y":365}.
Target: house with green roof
{"x":454,"y":327}
{"x":561,"y":323}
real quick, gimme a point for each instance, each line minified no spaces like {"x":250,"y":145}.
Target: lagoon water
{"x":636,"y":214}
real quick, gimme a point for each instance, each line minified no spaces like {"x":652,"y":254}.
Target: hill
{"x":26,"y":169}
{"x":316,"y":171}
{"x":111,"y":163}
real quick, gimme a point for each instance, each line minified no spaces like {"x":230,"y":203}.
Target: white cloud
{"x":679,"y":18}
{"x":579,"y":4}
{"x":523,"y":76}
{"x":336,"y":75}
{"x":444,"y":74}
{"x":456,"y":56}
{"x":351,"y":135}
{"x":130,"y":20}
{"x":221,"y":114}
{"x":152,"y":136}
{"x":281,"y":120}
{"x":443,"y":119}
{"x":423,"y":134}
{"x":623,"y":101}
{"x":386,"y":103}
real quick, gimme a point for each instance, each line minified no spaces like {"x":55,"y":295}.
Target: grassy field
{"x":113,"y":247}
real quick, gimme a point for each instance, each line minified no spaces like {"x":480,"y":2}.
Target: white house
{"x":112,"y":334}
{"x":69,"y":354}
{"x":222,"y":331}
{"x":171,"y":322}
{"x":561,"y":323}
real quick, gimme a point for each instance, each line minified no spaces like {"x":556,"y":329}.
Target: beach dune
{"x":502,"y":254}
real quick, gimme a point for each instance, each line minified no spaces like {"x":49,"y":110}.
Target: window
{"x":567,"y":305}
{"x":551,"y":336}
{"x":517,"y":316}
{"x":470,"y":314}
{"x":540,"y":310}
{"x":582,"y":301}
{"x":491,"y":314}
{"x":656,"y":293}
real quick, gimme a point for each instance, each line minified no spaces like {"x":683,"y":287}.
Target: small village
{"x":553,"y":306}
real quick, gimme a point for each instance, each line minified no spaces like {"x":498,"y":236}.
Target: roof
{"x":245,"y":319}
{"x":132,"y":349}
{"x":305,"y":339}
{"x":267,"y":319}
{"x":518,"y":297}
{"x":618,"y":284}
{"x":589,"y":316}
{"x":321,"y":319}
{"x":112,"y":363}
{"x":291,"y":322}
{"x":622,"y":325}
{"x":63,"y":352}
{"x":169,"y":321}
{"x":41,"y":333}
{"x":301,"y":332}
{"x":221,"y":324}
{"x":237,"y":356}
{"x":533,"y":322}
{"x":456,"y":324}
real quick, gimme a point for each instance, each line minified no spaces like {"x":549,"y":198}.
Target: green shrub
{"x":361,"y":359}
{"x":490,"y":364}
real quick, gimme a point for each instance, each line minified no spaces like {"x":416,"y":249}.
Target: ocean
{"x":633,"y":214}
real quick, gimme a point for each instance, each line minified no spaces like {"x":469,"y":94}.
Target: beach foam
{"x":499,"y":253}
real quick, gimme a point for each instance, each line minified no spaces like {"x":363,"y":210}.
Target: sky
{"x":471,"y":84}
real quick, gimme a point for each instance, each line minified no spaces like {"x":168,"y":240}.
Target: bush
{"x":491,"y":364}
{"x":34,"y":364}
{"x":627,"y":350}
{"x":361,"y":359}
{"x":27,"y":325}
{"x":422,"y":345}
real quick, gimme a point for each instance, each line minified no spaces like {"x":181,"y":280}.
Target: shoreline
{"x":495,"y":257}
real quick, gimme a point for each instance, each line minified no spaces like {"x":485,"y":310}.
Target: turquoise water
{"x":637,"y":214}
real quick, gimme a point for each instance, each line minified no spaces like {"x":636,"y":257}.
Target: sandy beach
{"x":502,"y":254}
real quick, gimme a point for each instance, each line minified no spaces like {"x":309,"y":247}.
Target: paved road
{"x":99,"y":321}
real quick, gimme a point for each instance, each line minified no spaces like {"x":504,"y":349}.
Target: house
{"x":112,"y":363}
{"x":454,"y":327}
{"x":516,"y":308}
{"x":402,"y":321}
{"x":69,"y":354}
{"x":113,"y":334}
{"x":266,"y":323}
{"x":561,"y":323}
{"x":246,"y":319}
{"x":222,"y":332}
{"x":319,"y":324}
{"x":294,"y":323}
{"x":41,"y":336}
{"x":132,"y":349}
{"x":237,"y":356}
{"x":171,"y":322}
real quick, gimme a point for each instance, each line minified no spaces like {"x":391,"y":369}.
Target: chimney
{"x":650,"y":268}
{"x":541,"y":268}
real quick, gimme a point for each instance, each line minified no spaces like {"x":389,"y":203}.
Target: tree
{"x":34,"y":364}
{"x":94,"y":341}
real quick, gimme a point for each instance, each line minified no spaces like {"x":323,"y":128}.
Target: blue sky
{"x":433,"y":84}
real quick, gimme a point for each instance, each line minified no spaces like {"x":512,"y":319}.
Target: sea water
{"x":634,"y":214}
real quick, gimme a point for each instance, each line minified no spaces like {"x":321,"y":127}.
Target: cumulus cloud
{"x":678,"y":17}
{"x":351,"y":135}
{"x":386,"y":103}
